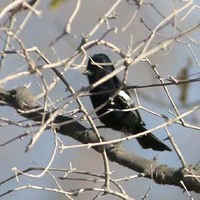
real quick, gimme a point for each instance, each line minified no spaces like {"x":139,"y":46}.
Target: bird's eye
{"x":99,"y":70}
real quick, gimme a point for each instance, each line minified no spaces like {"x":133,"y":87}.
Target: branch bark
{"x":24,"y":102}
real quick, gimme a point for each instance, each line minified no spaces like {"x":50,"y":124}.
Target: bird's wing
{"x":125,"y":99}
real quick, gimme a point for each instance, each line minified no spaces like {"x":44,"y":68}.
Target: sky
{"x":40,"y":31}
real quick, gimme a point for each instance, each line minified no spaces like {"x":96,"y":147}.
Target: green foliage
{"x":56,"y":3}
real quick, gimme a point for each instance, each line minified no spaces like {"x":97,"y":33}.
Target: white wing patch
{"x":125,"y":98}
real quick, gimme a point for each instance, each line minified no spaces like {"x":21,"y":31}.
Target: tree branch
{"x":24,"y":102}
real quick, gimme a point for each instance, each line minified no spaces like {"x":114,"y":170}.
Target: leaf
{"x":183,"y":75}
{"x":54,"y":4}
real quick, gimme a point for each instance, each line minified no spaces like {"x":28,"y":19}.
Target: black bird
{"x":111,"y":104}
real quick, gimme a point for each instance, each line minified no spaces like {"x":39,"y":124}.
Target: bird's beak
{"x":87,"y":72}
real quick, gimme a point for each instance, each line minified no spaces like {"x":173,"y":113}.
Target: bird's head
{"x":99,"y":65}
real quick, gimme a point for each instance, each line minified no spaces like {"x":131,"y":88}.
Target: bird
{"x":114,"y":106}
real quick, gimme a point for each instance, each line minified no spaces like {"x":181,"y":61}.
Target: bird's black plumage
{"x":111,"y":104}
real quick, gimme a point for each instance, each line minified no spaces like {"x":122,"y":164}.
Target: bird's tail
{"x":151,"y":141}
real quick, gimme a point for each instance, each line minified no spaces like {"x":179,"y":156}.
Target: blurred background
{"x":133,"y":25}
